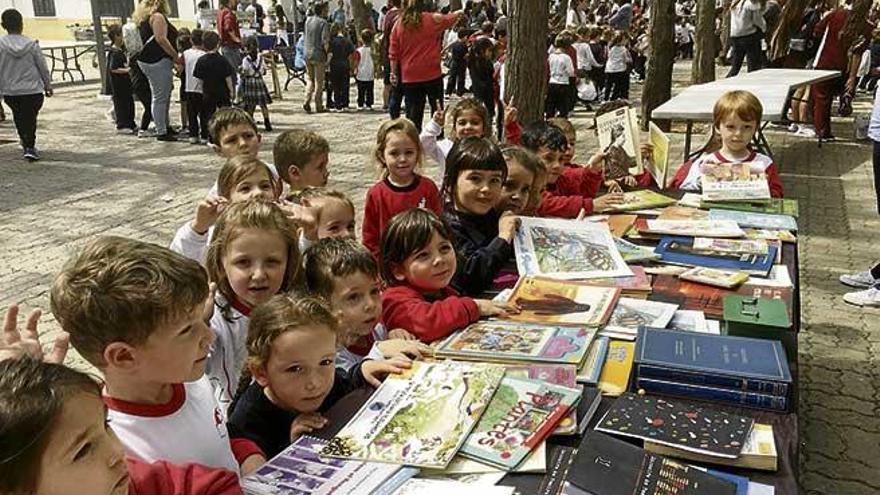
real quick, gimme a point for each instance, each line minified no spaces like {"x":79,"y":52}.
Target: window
{"x":44,"y":8}
{"x":115,"y":8}
{"x":174,"y":11}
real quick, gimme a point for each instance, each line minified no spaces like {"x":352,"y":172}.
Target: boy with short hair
{"x":120,"y":82}
{"x":136,"y":311}
{"x":232,"y":132}
{"x":216,"y":74}
{"x":301,"y":158}
{"x":198,"y":117}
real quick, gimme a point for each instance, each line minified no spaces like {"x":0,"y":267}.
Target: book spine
{"x":713,"y":380}
{"x":748,"y":399}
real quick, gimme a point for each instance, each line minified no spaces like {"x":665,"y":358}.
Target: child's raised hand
{"x":407,"y":348}
{"x":492,"y":308}
{"x":306,"y":423}
{"x":597,"y":162}
{"x":207,"y":212}
{"x":375,"y":371}
{"x":399,"y":333}
{"x":440,"y":117}
{"x":511,"y":115}
{"x":507,"y":225}
{"x":305,"y":217}
{"x":607,"y":200}
{"x":15,"y":343}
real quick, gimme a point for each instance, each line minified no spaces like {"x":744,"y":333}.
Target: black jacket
{"x":481,"y":253}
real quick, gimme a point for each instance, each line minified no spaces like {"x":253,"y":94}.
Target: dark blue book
{"x":713,"y":394}
{"x":680,"y":251}
{"x":741,"y":482}
{"x":711,"y":380}
{"x":720,"y":355}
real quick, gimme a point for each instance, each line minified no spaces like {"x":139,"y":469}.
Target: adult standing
{"x":259,"y":16}
{"x":339,"y":16}
{"x":156,"y":59}
{"x":414,"y":52}
{"x":390,"y":92}
{"x":577,"y":15}
{"x":24,"y":79}
{"x":622,"y":19}
{"x":230,"y":36}
{"x":316,"y":45}
{"x":747,"y":29}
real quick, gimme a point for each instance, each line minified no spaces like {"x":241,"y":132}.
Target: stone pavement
{"x":92,"y":182}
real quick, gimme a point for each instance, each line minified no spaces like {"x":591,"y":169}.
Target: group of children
{"x":220,"y":351}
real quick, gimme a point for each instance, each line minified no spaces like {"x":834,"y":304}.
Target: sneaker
{"x":368,"y":108}
{"x":861,"y":280}
{"x":194,"y":140}
{"x":147,"y":133}
{"x":167,"y":137}
{"x":868,"y":297}
{"x":793,"y":127}
{"x":806,"y":132}
{"x":31,"y":155}
{"x":307,"y":107}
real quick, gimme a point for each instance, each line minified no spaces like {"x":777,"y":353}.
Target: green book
{"x":777,"y":206}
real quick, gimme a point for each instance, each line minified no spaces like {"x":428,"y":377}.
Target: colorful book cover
{"x":677,"y":423}
{"x":639,"y":282}
{"x":776,"y":206}
{"x":420,"y":417}
{"x":770,"y":235}
{"x":632,"y":253}
{"x":535,"y":462}
{"x":630,"y":314}
{"x":759,"y":452}
{"x":567,"y":249}
{"x":734,"y":182}
{"x":564,"y":375}
{"x":709,"y":299}
{"x":755,"y":220}
{"x":659,"y":163}
{"x":513,"y":342}
{"x":299,"y":470}
{"x":619,"y":142}
{"x":520,"y":415}
{"x":731,"y":246}
{"x":694,"y":228}
{"x":638,"y":200}
{"x":620,"y":224}
{"x":680,"y":251}
{"x":616,"y":370}
{"x":592,"y":366}
{"x":562,"y":302}
{"x":719,"y":278}
{"x":683,"y":213}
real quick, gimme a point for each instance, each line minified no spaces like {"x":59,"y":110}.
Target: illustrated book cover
{"x":630,"y":314}
{"x":686,"y":320}
{"x":776,"y":206}
{"x":711,"y":245}
{"x":659,"y":163}
{"x":562,"y":302}
{"x":727,"y":279}
{"x":683,"y":213}
{"x":638,"y":200}
{"x":693,"y":228}
{"x":633,"y":253}
{"x":564,"y":375}
{"x":420,"y":417}
{"x":639,"y":282}
{"x":567,"y":249}
{"x":592,"y":366}
{"x":680,"y":251}
{"x":733,"y":182}
{"x":759,"y":452}
{"x":754,"y":220}
{"x":619,"y":140}
{"x":709,"y":299}
{"x":617,"y":368}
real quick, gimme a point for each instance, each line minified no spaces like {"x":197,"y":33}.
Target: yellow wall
{"x":55,"y":28}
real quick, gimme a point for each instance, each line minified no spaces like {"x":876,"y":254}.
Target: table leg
{"x":66,"y":59}
{"x":76,"y":56}
{"x":687,"y":139}
{"x":52,"y":57}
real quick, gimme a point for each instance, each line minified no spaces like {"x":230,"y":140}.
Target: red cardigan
{"x":404,"y":306}
{"x":418,"y":50}
{"x":163,"y":478}
{"x":384,"y":200}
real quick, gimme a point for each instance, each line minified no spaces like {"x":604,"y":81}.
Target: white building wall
{"x":82,"y":9}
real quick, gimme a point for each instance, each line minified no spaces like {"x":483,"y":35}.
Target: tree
{"x":525,"y":75}
{"x":856,"y":22}
{"x":703,"y":68}
{"x":658,"y":79}
{"x":725,"y":31}
{"x":362,"y":16}
{"x":789,"y":20}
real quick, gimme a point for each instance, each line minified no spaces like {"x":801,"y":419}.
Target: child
{"x":597,"y":73}
{"x":341,"y":50}
{"x":301,"y":158}
{"x":482,"y":235}
{"x":184,"y":43}
{"x":399,"y":153}
{"x":253,"y":255}
{"x":291,"y":377}
{"x":521,"y":186}
{"x":418,"y":263}
{"x":577,"y":180}
{"x":254,"y":91}
{"x":120,"y":83}
{"x":365,"y":71}
{"x":136,"y":311}
{"x":469,"y":118}
{"x":561,"y":71}
{"x":198,"y":117}
{"x":736,"y":117}
{"x":457,"y":65}
{"x":216,"y":74}
{"x":233,"y":132}
{"x":480,"y":65}
{"x":335,"y":212}
{"x":617,"y":69}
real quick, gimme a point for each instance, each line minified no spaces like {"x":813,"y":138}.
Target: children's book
{"x":659,"y":163}
{"x":618,"y":224}
{"x":691,"y":200}
{"x":694,"y":228}
{"x":730,"y":246}
{"x":706,"y":298}
{"x":618,"y":365}
{"x":680,"y":251}
{"x":734,"y":182}
{"x":759,"y":452}
{"x":299,"y":470}
{"x":770,"y":235}
{"x":683,"y":213}
{"x":639,"y":282}
{"x":779,"y":277}
{"x":564,"y":375}
{"x":633,"y":253}
{"x":562,"y":302}
{"x":521,"y":414}
{"x":587,"y":407}
{"x":755,"y":220}
{"x":422,"y":486}
{"x":677,"y":423}
{"x":619,"y":140}
{"x":637,"y":200}
{"x":420,"y":417}
{"x":535,"y":462}
{"x":567,"y":249}
{"x":592,"y":366}
{"x":513,"y":342}
{"x":777,"y":206}
{"x":630,"y":314}
{"x":686,"y":320}
{"x":727,"y":279}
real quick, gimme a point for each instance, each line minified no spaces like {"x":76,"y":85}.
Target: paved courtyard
{"x":93,"y":182}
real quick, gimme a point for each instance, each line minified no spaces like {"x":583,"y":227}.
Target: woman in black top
{"x":156,"y":59}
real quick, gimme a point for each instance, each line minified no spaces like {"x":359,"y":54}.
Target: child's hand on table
{"x":376,"y":371}
{"x":410,"y":349}
{"x":492,"y":308}
{"x":399,"y":333}
{"x":305,"y":423}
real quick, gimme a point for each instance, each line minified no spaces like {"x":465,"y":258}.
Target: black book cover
{"x":587,"y":407}
{"x":557,"y":471}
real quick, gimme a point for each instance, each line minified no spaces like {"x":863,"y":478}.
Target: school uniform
{"x":428,"y":316}
{"x":617,"y":73}
{"x":384,"y":200}
{"x":364,"y":77}
{"x":197,"y":112}
{"x":213,"y":69}
{"x":120,"y":85}
{"x":561,"y":71}
{"x":455,"y":82}
{"x":229,"y":350}
{"x":435,"y":148}
{"x":481,"y":253}
{"x":688,"y":176}
{"x":341,"y":49}
{"x":555,"y":204}
{"x":576,"y":180}
{"x":165,"y":478}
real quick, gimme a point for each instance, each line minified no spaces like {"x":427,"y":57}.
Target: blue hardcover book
{"x":755,"y":220}
{"x":732,"y":397}
{"x":711,"y":380}
{"x":723,"y":355}
{"x":741,"y":482}
{"x":680,"y":251}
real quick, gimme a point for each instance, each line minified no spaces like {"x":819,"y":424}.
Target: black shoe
{"x":167,"y":137}
{"x":267,"y":125}
{"x":307,"y":108}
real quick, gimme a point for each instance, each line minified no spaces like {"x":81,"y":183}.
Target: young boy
{"x":301,"y":159}
{"x":457,"y":65}
{"x":137,"y":312}
{"x":216,"y":74}
{"x":561,"y":72}
{"x":120,"y":83}
{"x":198,"y":117}
{"x":24,"y":79}
{"x":365,"y":71}
{"x":576,"y":180}
{"x":233,"y":132}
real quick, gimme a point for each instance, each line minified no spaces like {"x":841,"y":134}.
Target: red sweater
{"x":418,"y":50}
{"x":384,"y":200}
{"x":163,"y":478}
{"x":227,"y":25}
{"x":427,"y":318}
{"x":577,"y":180}
{"x":773,"y":179}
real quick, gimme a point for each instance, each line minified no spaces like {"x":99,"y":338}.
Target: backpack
{"x":131,"y":37}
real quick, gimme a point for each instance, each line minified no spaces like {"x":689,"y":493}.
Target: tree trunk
{"x":563,"y":8}
{"x":789,"y":20}
{"x":703,"y":68}
{"x":658,"y":80}
{"x":525,"y":74}
{"x":855,"y":25}
{"x":725,"y":31}
{"x":361,"y":15}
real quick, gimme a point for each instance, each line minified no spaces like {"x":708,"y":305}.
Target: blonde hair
{"x":146,"y":8}
{"x":239,"y":167}
{"x":403,"y":125}
{"x":743,"y":104}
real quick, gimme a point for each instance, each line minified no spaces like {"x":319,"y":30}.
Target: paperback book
{"x":420,"y":417}
{"x":776,"y":206}
{"x":659,"y":163}
{"x":567,"y":249}
{"x":686,"y":320}
{"x":727,"y":279}
{"x":630,"y":314}
{"x":733,"y":182}
{"x":770,"y":235}
{"x":730,"y":246}
{"x":683,"y":213}
{"x":709,"y":299}
{"x":633,"y":253}
{"x":521,"y":414}
{"x":759,"y":451}
{"x":535,"y":462}
{"x":639,"y":282}
{"x":619,"y":140}
{"x":592,"y":366}
{"x":680,"y":251}
{"x":563,"y":375}
{"x":639,"y":200}
{"x":694,"y":228}
{"x":618,"y":365}
{"x":755,"y":220}
{"x":562,"y":302}
{"x":423,"y":486}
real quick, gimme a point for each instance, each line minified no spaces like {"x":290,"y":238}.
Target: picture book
{"x":420,"y":417}
{"x":639,"y":282}
{"x":633,"y":253}
{"x":770,"y":235}
{"x":562,"y":302}
{"x":691,"y":200}
{"x":733,"y":182}
{"x":777,"y":206}
{"x":730,"y":246}
{"x":424,"y":486}
{"x":759,"y":452}
{"x":709,"y":299}
{"x":779,"y":277}
{"x":680,"y":251}
{"x":535,"y":462}
{"x":754,"y":220}
{"x":557,"y":471}
{"x":619,"y":140}
{"x":686,"y":320}
{"x":567,"y":249}
{"x":564,"y":375}
{"x":683,"y":213}
{"x":719,"y":278}
{"x":619,"y":224}
{"x":616,"y":370}
{"x":521,"y":414}
{"x":694,"y":228}
{"x":630,"y":314}
{"x":514,"y":342}
{"x":591,"y":368}
{"x":299,"y":470}
{"x":638,"y":200}
{"x":659,"y":163}
{"x":677,"y":423}
{"x":605,"y":465}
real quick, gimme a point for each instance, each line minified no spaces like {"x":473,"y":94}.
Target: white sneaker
{"x":793,"y":127}
{"x":149,"y":133}
{"x":860,"y":279}
{"x":194,"y":140}
{"x":805,"y":131}
{"x":868,"y":297}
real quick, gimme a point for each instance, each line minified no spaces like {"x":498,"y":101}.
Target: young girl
{"x":523,"y":172}
{"x":291,"y":377}
{"x":253,"y":88}
{"x":418,"y":263}
{"x":561,"y":72}
{"x":481,"y":66}
{"x":253,"y":255}
{"x":469,"y":118}
{"x":335,"y":212}
{"x":399,"y":153}
{"x":617,"y":68}
{"x":736,"y":117}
